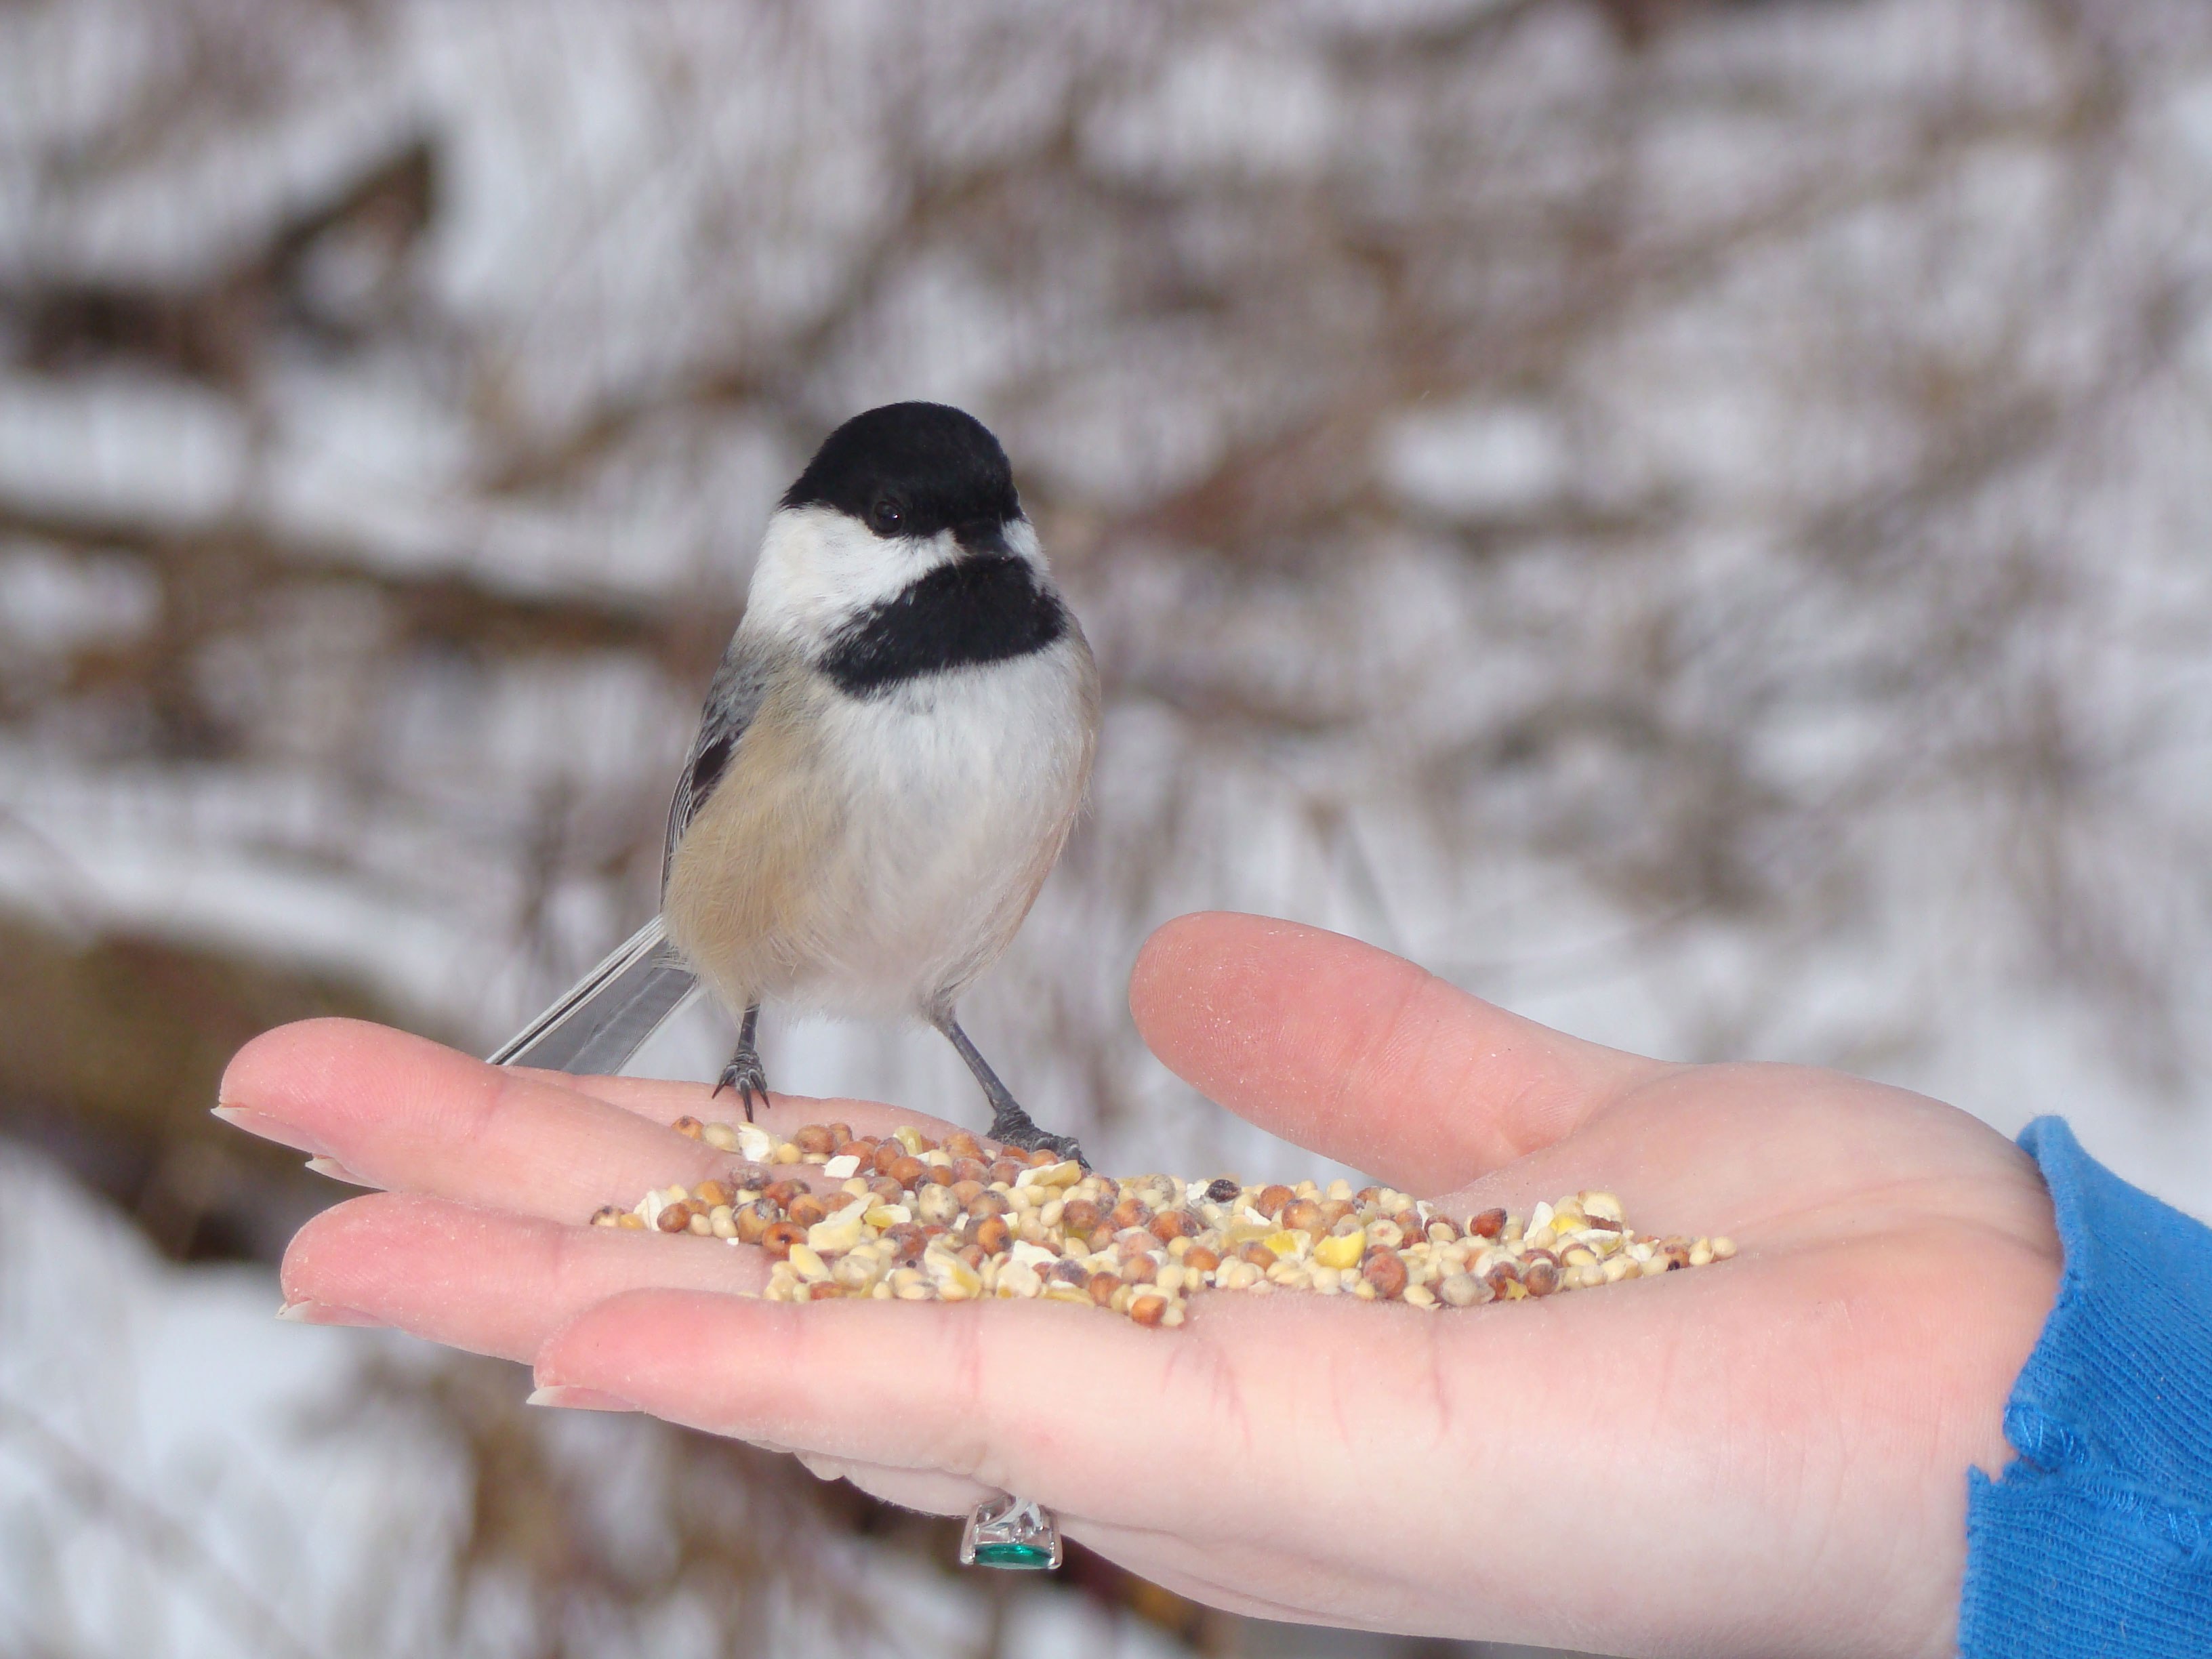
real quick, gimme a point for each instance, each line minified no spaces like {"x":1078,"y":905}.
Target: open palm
{"x":1767,"y":1456}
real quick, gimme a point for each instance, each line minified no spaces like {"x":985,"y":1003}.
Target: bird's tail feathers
{"x":607,"y":1015}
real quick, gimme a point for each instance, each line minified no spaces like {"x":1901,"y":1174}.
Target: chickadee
{"x":892,"y":753}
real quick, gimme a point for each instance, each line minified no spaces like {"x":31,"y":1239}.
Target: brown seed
{"x":1385,"y":1269}
{"x":1069,"y":1272}
{"x":986,"y":1204}
{"x":961,"y":1143}
{"x":1500,"y":1276}
{"x":1149,"y":1308}
{"x":861,"y":1151}
{"x":972,"y":1253}
{"x":1257,"y":1254}
{"x":1273,"y":1199}
{"x":1301,"y":1215}
{"x":608,"y":1215}
{"x":824,"y":1291}
{"x":778,"y":1236}
{"x":673,"y":1218}
{"x":883,"y":1187}
{"x":1368,"y":1195}
{"x":965,"y":1193}
{"x":1677,"y":1254}
{"x":1199,"y":1259}
{"x":689,"y":1124}
{"x":1488,"y":1223}
{"x":1008,"y":1169}
{"x":806,"y":1210}
{"x":906,"y":1171}
{"x":1102,"y":1287}
{"x":1600,"y":1224}
{"x":935,"y":1175}
{"x":1044,"y":1159}
{"x":1131,"y":1212}
{"x":1334,"y":1211}
{"x":995,"y":1235}
{"x":781,"y":1192}
{"x":711,"y":1193}
{"x":841,"y":1133}
{"x":907,"y":1241}
{"x":815,"y":1137}
{"x":1173,"y":1224}
{"x":886,"y":1155}
{"x":1531,"y":1258}
{"x":1079,"y":1216}
{"x":970,"y":1169}
{"x":754,"y":1219}
{"x":1542,"y":1278}
{"x":1221,"y":1191}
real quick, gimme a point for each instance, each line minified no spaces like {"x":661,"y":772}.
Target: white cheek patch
{"x":818,"y":566}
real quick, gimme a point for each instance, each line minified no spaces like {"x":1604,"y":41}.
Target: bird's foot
{"x":1013,"y":1127}
{"x":743,"y":1074}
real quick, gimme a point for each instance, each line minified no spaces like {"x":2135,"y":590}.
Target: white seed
{"x":839,"y":1168}
{"x":720,"y":1136}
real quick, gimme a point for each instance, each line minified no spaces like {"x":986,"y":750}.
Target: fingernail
{"x":267,"y":1127}
{"x":337,"y":1171}
{"x":306,"y":1312}
{"x":581,"y":1400}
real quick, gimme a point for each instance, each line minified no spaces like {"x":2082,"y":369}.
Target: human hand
{"x":1762,"y":1458}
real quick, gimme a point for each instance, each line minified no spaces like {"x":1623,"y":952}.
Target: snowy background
{"x":1690,"y":518}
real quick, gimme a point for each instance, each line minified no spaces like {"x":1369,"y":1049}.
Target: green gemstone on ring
{"x":1012,"y":1555}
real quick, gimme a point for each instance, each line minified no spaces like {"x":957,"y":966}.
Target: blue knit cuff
{"x":2098,"y":1538}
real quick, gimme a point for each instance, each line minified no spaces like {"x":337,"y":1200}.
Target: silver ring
{"x":1010,"y":1532}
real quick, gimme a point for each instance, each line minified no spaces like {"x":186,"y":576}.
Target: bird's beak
{"x":978,"y":540}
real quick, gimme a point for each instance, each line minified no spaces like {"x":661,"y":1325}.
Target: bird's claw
{"x":1029,"y":1138}
{"x":743,"y":1074}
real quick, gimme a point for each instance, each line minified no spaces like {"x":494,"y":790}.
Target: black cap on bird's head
{"x":912,"y":470}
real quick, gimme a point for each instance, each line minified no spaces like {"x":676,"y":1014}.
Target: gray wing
{"x":608,"y":1014}
{"x":733,"y":699}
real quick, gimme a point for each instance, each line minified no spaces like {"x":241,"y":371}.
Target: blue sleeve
{"x":2097,"y":1539}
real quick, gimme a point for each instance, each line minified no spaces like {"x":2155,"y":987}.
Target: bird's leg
{"x":1010,"y":1125}
{"x":743,"y":1071}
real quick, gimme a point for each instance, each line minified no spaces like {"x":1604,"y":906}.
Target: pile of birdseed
{"x":908,"y":1218}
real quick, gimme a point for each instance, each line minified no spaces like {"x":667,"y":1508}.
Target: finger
{"x":405,"y":1114}
{"x":1360,"y":1055}
{"x":482,"y":1280}
{"x":923,"y":1491}
{"x":663,"y":1101}
{"x":1032,"y":1397}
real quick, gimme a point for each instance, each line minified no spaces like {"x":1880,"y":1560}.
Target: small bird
{"x":892,"y":753}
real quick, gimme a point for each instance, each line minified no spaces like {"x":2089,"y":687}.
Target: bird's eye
{"x":884,"y":517}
